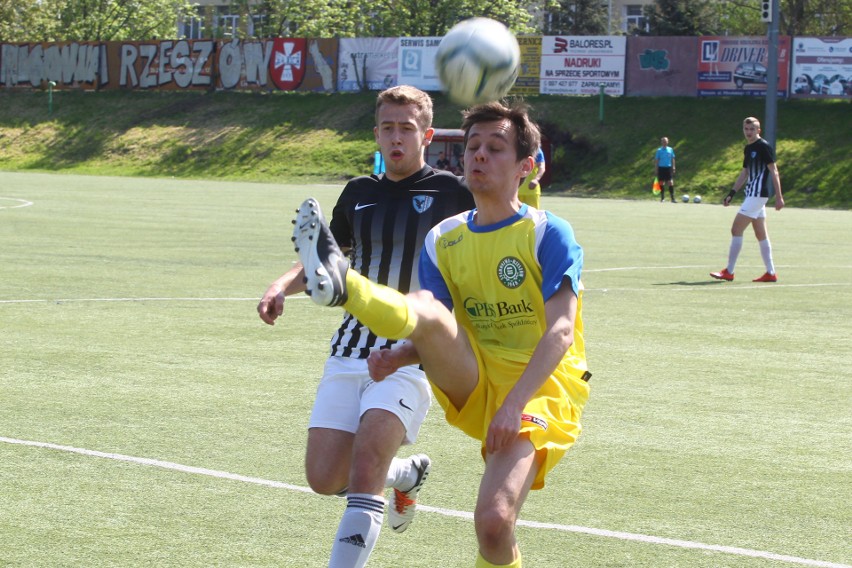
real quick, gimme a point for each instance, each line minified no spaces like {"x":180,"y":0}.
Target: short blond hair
{"x":407,"y":95}
{"x":751,"y":120}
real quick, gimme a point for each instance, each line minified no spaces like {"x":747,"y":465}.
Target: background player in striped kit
{"x":760,"y":177}
{"x":358,"y":425}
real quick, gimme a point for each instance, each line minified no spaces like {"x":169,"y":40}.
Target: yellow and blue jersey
{"x":496,"y":279}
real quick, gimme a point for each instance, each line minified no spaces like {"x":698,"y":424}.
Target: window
{"x":634,"y":19}
{"x":257,"y":26}
{"x":191,"y":28}
{"x":227,"y":24}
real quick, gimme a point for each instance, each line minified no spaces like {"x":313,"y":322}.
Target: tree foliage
{"x":576,"y":17}
{"x":382,"y":18}
{"x":682,"y":17}
{"x":102,"y":20}
{"x":742,"y":17}
{"x":89,"y":20}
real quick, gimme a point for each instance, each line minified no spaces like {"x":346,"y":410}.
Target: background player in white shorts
{"x":358,"y":425}
{"x":759,"y":169}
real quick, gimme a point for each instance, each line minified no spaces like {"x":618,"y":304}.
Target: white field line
{"x":21,"y":203}
{"x":646,"y":539}
{"x":671,"y":288}
{"x":69,"y":300}
{"x":718,"y":286}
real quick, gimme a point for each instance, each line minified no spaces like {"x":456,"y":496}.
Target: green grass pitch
{"x":718,"y":433}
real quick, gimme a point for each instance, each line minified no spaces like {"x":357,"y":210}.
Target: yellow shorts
{"x":551,"y":419}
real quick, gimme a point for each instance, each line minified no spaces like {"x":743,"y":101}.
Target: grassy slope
{"x":313,"y":137}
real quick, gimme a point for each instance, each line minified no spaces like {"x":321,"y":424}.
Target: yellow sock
{"x":382,"y":309}
{"x":483,"y":563}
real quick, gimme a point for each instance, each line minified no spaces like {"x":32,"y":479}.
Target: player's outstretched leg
{"x":404,"y":503}
{"x":331,"y":283}
{"x":325,"y":265}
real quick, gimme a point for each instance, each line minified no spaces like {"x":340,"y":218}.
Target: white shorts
{"x":754,"y":207}
{"x":346,"y":392}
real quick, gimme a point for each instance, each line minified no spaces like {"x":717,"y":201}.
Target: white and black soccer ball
{"x":685,"y":198}
{"x":477,"y":61}
{"x":696,"y":199}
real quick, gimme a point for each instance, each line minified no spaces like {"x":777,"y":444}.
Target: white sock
{"x":734,"y":252}
{"x":399,"y":473}
{"x":766,"y":253}
{"x":358,"y":531}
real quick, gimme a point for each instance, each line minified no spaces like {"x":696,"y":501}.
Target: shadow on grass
{"x":684,"y":283}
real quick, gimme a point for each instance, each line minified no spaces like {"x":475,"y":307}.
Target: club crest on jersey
{"x":540,"y":422}
{"x":511,"y":272}
{"x":422,"y":202}
{"x":753,"y":153}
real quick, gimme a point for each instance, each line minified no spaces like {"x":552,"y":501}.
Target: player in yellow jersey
{"x":497,"y":324}
{"x":530,"y":190}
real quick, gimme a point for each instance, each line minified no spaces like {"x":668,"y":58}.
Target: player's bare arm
{"x":385,"y":362}
{"x":561,"y":311}
{"x":271,"y":305}
{"x":741,"y":179}
{"x":776,"y":183}
{"x":540,"y":174}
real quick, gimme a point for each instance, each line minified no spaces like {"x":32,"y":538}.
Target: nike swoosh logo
{"x":358,"y":206}
{"x":397,"y":526}
{"x":402,"y":404}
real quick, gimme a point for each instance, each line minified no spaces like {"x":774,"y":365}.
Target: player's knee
{"x":368,"y":469}
{"x":494,"y":527}
{"x":427,"y":308}
{"x":325,"y":482}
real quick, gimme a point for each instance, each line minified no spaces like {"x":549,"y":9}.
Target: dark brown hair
{"x":528,"y":138}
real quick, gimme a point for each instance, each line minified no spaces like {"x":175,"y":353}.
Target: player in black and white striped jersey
{"x":357,"y":425}
{"x":759,"y":175}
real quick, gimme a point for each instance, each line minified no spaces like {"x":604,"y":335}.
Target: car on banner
{"x":749,"y":72}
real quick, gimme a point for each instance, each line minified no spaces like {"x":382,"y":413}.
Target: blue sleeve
{"x":431,"y":279}
{"x":559,"y":256}
{"x":539,"y":156}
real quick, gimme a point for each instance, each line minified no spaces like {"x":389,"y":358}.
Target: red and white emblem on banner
{"x":287,"y":63}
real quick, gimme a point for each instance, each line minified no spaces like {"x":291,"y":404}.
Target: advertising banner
{"x":167,"y":65}
{"x":579,"y":65}
{"x":69,"y":65}
{"x":736,"y":66}
{"x":528,"y":82}
{"x":374,"y":58}
{"x":822,"y":67}
{"x":661,"y":66}
{"x":417,"y":62}
{"x":243,"y":64}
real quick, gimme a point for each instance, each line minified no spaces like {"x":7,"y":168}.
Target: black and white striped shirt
{"x":384,"y":224}
{"x":756,"y":158}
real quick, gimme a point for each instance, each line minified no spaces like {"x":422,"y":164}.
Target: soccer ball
{"x":477,"y":61}
{"x":685,"y":198}
{"x":696,"y":199}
